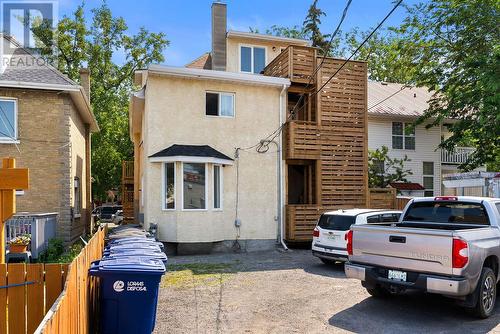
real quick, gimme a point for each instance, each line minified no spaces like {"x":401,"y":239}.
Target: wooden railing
{"x":302,"y":140}
{"x":458,"y":156}
{"x":295,"y":62}
{"x":75,"y":308}
{"x":128,"y":171}
{"x":300,"y":220}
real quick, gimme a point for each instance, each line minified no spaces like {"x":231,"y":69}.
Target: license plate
{"x":397,"y":275}
{"x":333,"y":236}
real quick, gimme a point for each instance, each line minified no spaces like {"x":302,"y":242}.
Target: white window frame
{"x":206,"y":186}
{"x":77,"y":193}
{"x":14,"y":138}
{"x":403,"y":136}
{"x":163,"y":180}
{"x":219,"y":94}
{"x":251,"y":46}
{"x":221,"y":187}
{"x":429,"y":175}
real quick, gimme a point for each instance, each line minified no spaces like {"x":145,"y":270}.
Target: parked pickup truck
{"x":445,"y":245}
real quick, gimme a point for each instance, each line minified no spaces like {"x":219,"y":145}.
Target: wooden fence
{"x":385,"y":198}
{"x":75,"y":307}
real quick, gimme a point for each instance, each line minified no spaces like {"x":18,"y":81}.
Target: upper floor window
{"x":403,"y":136}
{"x":252,"y":59}
{"x":8,"y":120}
{"x":219,"y":104}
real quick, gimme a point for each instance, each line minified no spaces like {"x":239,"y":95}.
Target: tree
{"x":290,"y":32}
{"x":382,"y":169}
{"x":311,"y":27}
{"x":458,"y":57}
{"x":96,"y":45}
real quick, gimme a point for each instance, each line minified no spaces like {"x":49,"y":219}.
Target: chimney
{"x":85,"y":81}
{"x":219,"y":18}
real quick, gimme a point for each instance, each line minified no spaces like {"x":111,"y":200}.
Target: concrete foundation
{"x":225,"y":246}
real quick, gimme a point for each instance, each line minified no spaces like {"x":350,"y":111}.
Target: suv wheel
{"x":378,"y":292}
{"x":486,"y":294}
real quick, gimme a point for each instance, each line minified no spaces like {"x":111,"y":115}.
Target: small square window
{"x":397,"y":128}
{"x":397,"y":142}
{"x":428,"y":168}
{"x":410,"y":143}
{"x":219,"y":104}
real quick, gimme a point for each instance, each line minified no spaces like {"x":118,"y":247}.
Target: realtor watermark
{"x":29,"y":36}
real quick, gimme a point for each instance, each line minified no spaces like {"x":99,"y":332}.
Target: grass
{"x":197,"y":274}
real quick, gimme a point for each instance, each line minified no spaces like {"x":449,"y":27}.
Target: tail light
{"x":316,"y":232}
{"x":446,"y":198}
{"x":348,"y":237}
{"x":460,"y":253}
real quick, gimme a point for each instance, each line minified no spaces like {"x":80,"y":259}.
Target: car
{"x":329,"y":243}
{"x":106,"y":212}
{"x":117,"y":218}
{"x":447,"y":245}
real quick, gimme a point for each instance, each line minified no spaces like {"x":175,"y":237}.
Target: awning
{"x":191,"y":153}
{"x":406,"y":186}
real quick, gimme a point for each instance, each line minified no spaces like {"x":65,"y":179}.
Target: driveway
{"x":293,"y":292}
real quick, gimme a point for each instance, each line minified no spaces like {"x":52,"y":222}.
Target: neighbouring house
{"x":45,"y":123}
{"x":392,"y":108}
{"x":409,"y":189}
{"x":203,"y":170}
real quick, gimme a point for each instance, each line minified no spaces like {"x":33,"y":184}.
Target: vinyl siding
{"x":426,"y":142}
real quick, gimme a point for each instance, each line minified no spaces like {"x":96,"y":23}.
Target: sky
{"x":186,"y":23}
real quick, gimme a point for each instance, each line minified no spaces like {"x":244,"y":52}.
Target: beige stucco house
{"x":45,"y":123}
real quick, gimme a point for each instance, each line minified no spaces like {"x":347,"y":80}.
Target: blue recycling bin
{"x":128,"y":240}
{"x":129,"y":293}
{"x":117,"y":253}
{"x":135,"y":245}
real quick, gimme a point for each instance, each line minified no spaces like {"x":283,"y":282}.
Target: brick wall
{"x":44,"y":120}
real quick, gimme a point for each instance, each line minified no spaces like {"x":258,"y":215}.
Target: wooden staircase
{"x":128,"y":191}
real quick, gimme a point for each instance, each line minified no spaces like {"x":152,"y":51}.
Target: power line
{"x":263,"y":145}
{"x":388,"y":97}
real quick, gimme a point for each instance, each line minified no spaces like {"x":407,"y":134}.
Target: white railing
{"x":41,"y":226}
{"x":458,"y":156}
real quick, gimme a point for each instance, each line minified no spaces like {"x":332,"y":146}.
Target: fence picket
{"x":34,"y":295}
{"x":16,"y":308}
{"x":53,"y":283}
{"x":3,"y":298}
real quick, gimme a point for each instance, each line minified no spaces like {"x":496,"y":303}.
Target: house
{"x":221,"y":161}
{"x":391,"y":109}
{"x":45,"y":123}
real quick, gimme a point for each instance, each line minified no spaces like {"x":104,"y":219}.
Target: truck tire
{"x":486,"y":294}
{"x":378,"y":292}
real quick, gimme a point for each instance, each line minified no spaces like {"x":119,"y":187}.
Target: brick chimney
{"x":219,"y":18}
{"x":85,"y":81}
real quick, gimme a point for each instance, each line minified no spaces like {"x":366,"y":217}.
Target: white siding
{"x":426,"y":143}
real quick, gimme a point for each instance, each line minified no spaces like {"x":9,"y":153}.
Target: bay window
{"x":217,"y":183}
{"x":194,"y":186}
{"x":169,"y":186}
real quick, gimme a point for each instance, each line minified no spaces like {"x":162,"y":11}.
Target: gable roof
{"x":25,"y":71}
{"x":204,"y":62}
{"x":185,"y":152}
{"x":397,"y":99}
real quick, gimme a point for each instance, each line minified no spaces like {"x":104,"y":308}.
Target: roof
{"x":407,"y":186}
{"x":397,"y":99}
{"x":355,"y":212}
{"x":25,"y":71}
{"x":23,"y":67}
{"x":191,"y":153}
{"x":204,"y":61}
{"x":268,"y":38}
{"x":196,"y":73}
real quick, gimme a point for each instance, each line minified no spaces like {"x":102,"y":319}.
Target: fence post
{"x":11,"y":178}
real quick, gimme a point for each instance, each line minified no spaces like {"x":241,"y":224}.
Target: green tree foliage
{"x":383,"y":169}
{"x":292,"y":32}
{"x":458,"y":57}
{"x":311,"y":26}
{"x":96,"y":45}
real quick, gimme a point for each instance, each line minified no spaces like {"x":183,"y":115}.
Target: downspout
{"x":280,"y":171}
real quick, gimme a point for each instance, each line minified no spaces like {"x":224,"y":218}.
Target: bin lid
{"x":131,"y":264}
{"x":135,"y":245}
{"x":137,"y":252}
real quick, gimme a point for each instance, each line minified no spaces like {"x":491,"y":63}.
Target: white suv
{"x":329,"y":243}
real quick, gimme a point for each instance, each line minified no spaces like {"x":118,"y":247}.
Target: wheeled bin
{"x":129,"y":293}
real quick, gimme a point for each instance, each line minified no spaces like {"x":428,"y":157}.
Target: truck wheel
{"x":486,"y":294}
{"x":378,"y":292}
{"x":326,"y":261}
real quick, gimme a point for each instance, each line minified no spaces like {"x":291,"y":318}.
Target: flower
{"x":21,"y":240}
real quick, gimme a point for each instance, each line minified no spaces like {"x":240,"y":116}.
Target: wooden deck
{"x":329,"y":132}
{"x":128,"y":190}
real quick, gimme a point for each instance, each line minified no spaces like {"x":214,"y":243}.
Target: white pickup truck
{"x":445,"y":245}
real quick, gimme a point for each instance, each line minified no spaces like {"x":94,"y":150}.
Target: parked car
{"x":106,"y":212}
{"x":117,"y":218}
{"x":445,"y":245}
{"x":329,"y":243}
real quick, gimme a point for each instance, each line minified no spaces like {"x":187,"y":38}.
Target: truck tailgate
{"x":412,"y":249}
